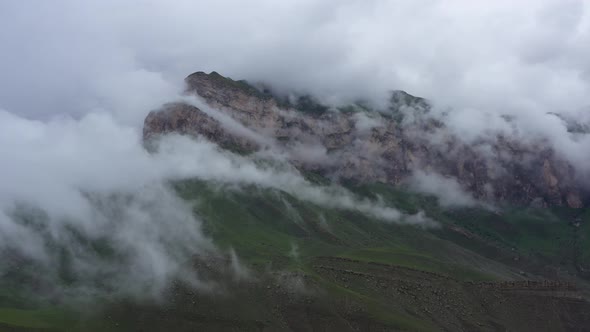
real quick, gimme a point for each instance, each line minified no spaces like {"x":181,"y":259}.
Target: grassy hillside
{"x":309,"y":267}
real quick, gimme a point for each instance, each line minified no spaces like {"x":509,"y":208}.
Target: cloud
{"x":78,"y":79}
{"x":230,"y":124}
{"x":447,"y":190}
{"x":85,"y":196}
{"x":203,"y":160}
{"x":484,"y":60}
{"x":364,"y":122}
{"x":499,"y":57}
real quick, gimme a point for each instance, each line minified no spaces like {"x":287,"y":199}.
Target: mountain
{"x":320,"y":268}
{"x":285,"y":261}
{"x":361,"y":144}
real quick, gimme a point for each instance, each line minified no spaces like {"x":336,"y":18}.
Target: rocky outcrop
{"x":185,"y":119}
{"x":355,"y":144}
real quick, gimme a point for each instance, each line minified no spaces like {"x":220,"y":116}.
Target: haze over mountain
{"x":356,"y":155}
{"x":400,"y":143}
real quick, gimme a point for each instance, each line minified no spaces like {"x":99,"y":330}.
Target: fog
{"x":85,"y":197}
{"x":87,"y":192}
{"x":78,"y":78}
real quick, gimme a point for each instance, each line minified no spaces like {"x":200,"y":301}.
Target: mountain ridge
{"x":359,"y":144}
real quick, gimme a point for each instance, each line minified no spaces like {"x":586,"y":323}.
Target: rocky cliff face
{"x":357,"y":144}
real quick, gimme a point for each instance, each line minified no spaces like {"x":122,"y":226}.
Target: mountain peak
{"x":364,"y":145}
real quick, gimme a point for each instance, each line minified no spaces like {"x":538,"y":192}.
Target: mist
{"x":78,"y":78}
{"x":446,"y":189}
{"x":87,"y":190}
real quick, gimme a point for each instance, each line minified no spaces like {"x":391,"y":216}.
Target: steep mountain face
{"x":355,"y":143}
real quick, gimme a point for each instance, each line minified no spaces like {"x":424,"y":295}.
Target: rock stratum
{"x":356,"y":143}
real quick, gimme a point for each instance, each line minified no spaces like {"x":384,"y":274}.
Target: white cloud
{"x":499,"y":57}
{"x":447,"y":190}
{"x":204,"y":160}
{"x":364,"y":123}
{"x":90,"y":181}
{"x":482,"y":59}
{"x":70,"y":184}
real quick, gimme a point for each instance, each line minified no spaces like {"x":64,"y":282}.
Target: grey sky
{"x":125,"y":56}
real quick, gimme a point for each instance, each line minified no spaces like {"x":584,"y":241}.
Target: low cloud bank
{"x":83,"y":200}
{"x":204,"y":160}
{"x":446,"y":189}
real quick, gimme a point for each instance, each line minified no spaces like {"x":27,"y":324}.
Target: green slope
{"x":314,"y":267}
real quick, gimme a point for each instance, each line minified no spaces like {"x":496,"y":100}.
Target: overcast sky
{"x":124,"y":57}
